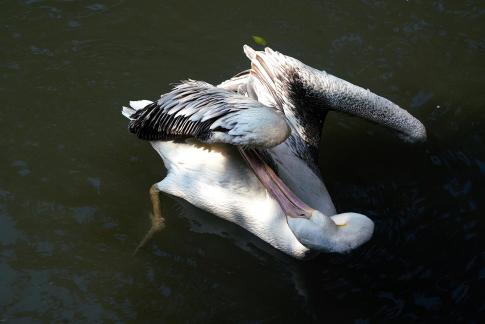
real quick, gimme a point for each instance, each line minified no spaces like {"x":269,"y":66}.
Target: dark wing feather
{"x":210,"y":114}
{"x":187,"y":111}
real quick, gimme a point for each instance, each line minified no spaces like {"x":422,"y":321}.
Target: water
{"x":74,"y":183}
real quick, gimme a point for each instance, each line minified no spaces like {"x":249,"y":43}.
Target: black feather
{"x":154,"y":122}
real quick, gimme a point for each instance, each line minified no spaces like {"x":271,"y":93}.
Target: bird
{"x":246,"y":150}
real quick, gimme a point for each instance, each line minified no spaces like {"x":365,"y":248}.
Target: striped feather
{"x":198,"y":109}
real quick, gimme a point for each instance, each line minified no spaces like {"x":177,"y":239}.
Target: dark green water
{"x":74,"y":183}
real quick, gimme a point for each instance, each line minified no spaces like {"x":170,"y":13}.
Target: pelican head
{"x":339,"y":233}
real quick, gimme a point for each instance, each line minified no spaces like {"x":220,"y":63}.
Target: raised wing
{"x":271,"y":76}
{"x":277,"y":80}
{"x":300,"y":90}
{"x":210,"y":114}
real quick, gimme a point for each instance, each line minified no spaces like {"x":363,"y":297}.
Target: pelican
{"x":246,"y":150}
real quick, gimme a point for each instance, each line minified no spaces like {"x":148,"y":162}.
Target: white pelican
{"x":246,"y":150}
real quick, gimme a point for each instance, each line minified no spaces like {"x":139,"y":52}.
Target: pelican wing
{"x":210,"y":114}
{"x":287,"y":80}
{"x":305,"y":95}
{"x":270,"y":76}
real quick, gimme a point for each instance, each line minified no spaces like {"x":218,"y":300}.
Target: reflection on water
{"x":74,"y":183}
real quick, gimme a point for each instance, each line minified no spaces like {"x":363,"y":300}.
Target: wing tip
{"x":249,"y":51}
{"x":268,"y":50}
{"x":127,"y":112}
{"x":139,"y":104}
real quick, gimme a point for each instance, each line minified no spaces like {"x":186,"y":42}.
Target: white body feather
{"x":215,"y":178}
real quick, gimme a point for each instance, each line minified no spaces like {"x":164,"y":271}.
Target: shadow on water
{"x":74,"y":183}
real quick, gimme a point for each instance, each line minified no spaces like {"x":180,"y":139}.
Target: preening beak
{"x":343,"y":96}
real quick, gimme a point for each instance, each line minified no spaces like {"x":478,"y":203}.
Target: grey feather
{"x":211,"y":114}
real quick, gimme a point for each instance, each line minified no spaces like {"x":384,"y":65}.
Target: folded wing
{"x":210,"y":114}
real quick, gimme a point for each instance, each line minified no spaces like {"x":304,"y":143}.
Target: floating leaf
{"x":259,"y":40}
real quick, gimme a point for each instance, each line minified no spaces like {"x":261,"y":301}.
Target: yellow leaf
{"x":259,"y":40}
